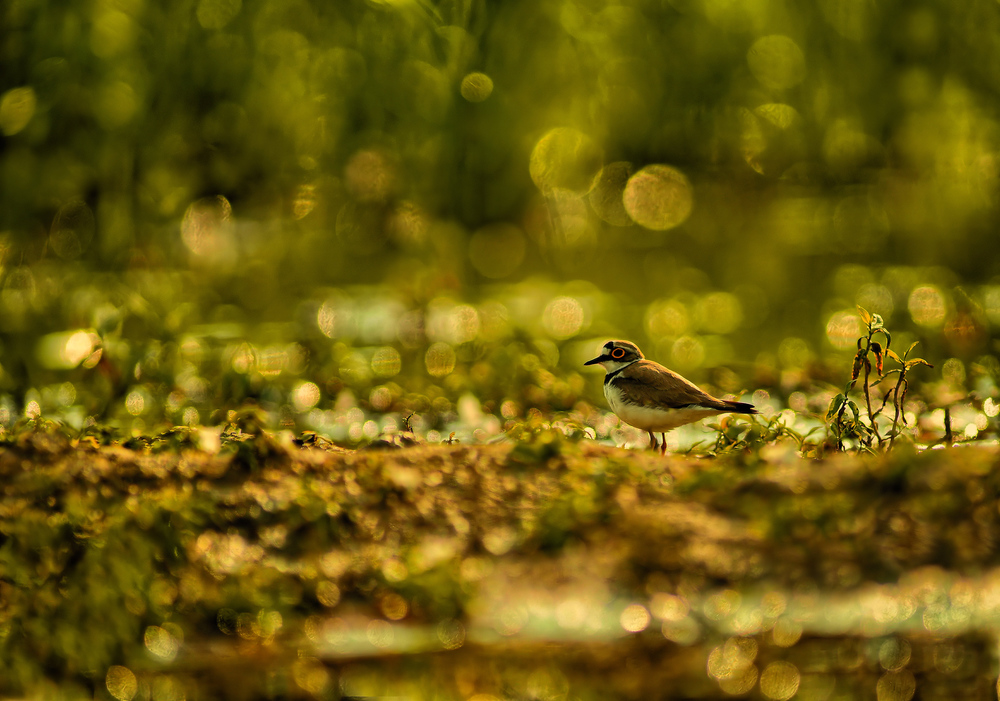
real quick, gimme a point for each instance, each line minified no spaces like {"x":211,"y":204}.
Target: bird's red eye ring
{"x":618,"y":353}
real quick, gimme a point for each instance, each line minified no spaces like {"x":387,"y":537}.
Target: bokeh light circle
{"x":720,"y":312}
{"x":380,"y":633}
{"x":667,"y":319}
{"x":894,"y":654}
{"x":687,"y":353}
{"x":780,"y":681}
{"x":161,"y":644}
{"x":635,"y":618}
{"x":740,"y":682}
{"x":658,"y":197}
{"x":121,"y":683}
{"x":927,"y":306}
{"x":135,"y":402}
{"x":439,"y":359}
{"x":779,"y":116}
{"x":79,"y":346}
{"x":328,"y":594}
{"x":777,"y":62}
{"x":305,"y":396}
{"x":17,"y":107}
{"x":311,"y":675}
{"x":380,"y":398}
{"x":451,"y":633}
{"x":606,"y":197}
{"x":452,"y":323}
{"x":370,"y":176}
{"x":843,"y":329}
{"x":563,"y":317}
{"x":565,"y":158}
{"x":786,"y":632}
{"x":386,"y":362}
{"x":476,"y":87}
{"x":205,"y":228}
{"x":573,"y":224}
{"x":794,"y":352}
{"x":876,"y":299}
{"x":896,"y":686}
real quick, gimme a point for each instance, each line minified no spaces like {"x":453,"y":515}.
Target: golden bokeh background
{"x":403,"y":203}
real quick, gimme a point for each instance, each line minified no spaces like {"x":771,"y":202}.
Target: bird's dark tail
{"x":741,"y":407}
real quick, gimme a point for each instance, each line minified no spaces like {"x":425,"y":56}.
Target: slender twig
{"x":885,"y":397}
{"x":868,"y":398}
{"x":898,"y":404}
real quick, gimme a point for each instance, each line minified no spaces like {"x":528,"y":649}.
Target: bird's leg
{"x":652,"y":440}
{"x":663,"y":444}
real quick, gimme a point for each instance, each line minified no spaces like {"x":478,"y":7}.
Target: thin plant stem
{"x":868,"y":399}
{"x":896,"y":401}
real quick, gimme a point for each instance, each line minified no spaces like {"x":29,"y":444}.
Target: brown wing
{"x":651,"y":384}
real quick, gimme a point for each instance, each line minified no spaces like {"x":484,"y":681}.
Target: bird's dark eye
{"x":618,"y":353}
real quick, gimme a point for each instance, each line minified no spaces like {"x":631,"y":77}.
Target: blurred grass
{"x":254,"y":569}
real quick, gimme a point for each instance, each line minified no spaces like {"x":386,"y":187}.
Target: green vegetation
{"x":867,"y":432}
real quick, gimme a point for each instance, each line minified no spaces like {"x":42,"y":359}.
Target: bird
{"x":653,"y":398}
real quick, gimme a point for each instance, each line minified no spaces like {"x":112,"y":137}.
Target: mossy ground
{"x":541,"y":567}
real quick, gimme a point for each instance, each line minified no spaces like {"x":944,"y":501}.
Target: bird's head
{"x":617,"y":354}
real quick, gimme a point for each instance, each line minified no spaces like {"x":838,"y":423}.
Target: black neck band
{"x":611,"y":375}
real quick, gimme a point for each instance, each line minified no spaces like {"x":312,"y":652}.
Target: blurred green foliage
{"x":387,"y":206}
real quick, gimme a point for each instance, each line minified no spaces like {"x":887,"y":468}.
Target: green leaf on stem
{"x":865,"y":316}
{"x":854,"y":410}
{"x":835,"y":406}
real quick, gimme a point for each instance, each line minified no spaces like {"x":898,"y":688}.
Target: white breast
{"x":652,"y":418}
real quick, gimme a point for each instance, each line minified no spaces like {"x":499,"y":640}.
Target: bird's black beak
{"x":598,"y":359}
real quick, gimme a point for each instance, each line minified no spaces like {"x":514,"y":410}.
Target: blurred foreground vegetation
{"x":236,"y":566}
